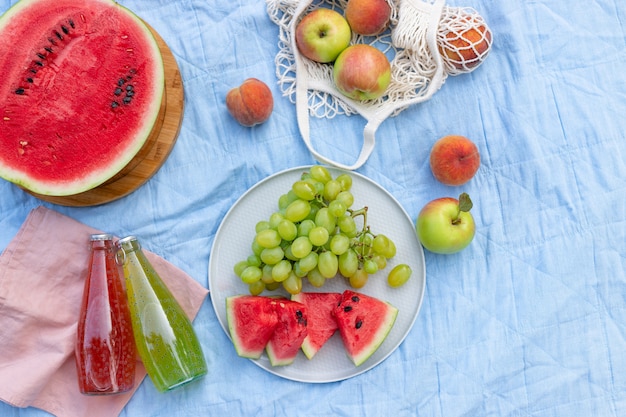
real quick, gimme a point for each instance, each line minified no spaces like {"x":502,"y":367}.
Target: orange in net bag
{"x":425,"y":42}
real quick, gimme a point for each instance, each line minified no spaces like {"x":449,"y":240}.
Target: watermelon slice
{"x":251,"y":323}
{"x":321,"y":322}
{"x":289,"y":334}
{"x":82,"y":88}
{"x":364,"y":323}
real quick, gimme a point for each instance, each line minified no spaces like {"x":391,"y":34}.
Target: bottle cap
{"x":101,"y":236}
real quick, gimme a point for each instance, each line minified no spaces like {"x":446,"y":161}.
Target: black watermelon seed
{"x":41,"y":56}
{"x":71,"y":22}
{"x":52,"y":41}
{"x":114,"y":104}
{"x":347,"y":308}
{"x":130,"y":93}
{"x":298,"y":313}
{"x":121,"y":82}
{"x":355,"y":298}
{"x":126,"y":100}
{"x":39,"y":63}
{"x":34,"y":71}
{"x":58,"y":35}
{"x":117,"y":91}
{"x":30,"y":80}
{"x":19,"y":91}
{"x":129,"y":87}
{"x":358,"y":324}
{"x":47,"y":48}
{"x":65,"y":29}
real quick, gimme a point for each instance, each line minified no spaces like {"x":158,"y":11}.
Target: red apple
{"x":322,"y":34}
{"x":251,"y":103}
{"x":368,"y":17}
{"x":454,"y":160}
{"x":362,"y":72}
{"x":445,"y":225}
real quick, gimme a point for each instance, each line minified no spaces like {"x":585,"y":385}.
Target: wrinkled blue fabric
{"x":529,"y":320}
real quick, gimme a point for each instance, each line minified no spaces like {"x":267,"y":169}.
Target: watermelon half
{"x":321,"y":322}
{"x":251,"y":323}
{"x":83,"y":83}
{"x":364,"y":323}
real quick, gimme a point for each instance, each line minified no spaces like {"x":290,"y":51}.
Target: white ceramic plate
{"x":385,"y":215}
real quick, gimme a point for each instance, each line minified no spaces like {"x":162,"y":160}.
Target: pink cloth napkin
{"x":41,"y":285}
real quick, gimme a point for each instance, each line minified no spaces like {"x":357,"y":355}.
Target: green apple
{"x":445,"y":225}
{"x":322,"y":34}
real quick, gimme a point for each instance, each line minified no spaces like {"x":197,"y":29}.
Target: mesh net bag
{"x":425,"y":42}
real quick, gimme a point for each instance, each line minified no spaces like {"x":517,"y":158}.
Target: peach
{"x":251,"y":103}
{"x":454,"y":160}
{"x":368,"y":17}
{"x":467,"y":46}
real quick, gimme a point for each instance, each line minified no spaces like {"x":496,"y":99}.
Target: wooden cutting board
{"x":162,"y":140}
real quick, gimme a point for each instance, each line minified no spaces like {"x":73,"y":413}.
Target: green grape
{"x":346,"y":198}
{"x":275,"y":219}
{"x":348,"y":263}
{"x":318,"y":236}
{"x":293,"y":284}
{"x":305,"y":226}
{"x":325,"y":219}
{"x":328,"y":264}
{"x":315,"y":278}
{"x":309,"y":262}
{"x":347,"y":225}
{"x":331,"y":190}
{"x":399,"y":275}
{"x":380,"y":260}
{"x":320,"y":173}
{"x":339,"y":243}
{"x":251,"y":274}
{"x":256,"y":248}
{"x":337,"y":208}
{"x":262,"y":225}
{"x":370,"y":266}
{"x":345,"y":180}
{"x":254,"y":260}
{"x":288,"y":254}
{"x":239,"y":267}
{"x":266,"y":275}
{"x":319,"y":187}
{"x":391,"y":251}
{"x":380,"y":244}
{"x":297,"y":269}
{"x":305,"y":190}
{"x":283,"y":202}
{"x":358,"y":279}
{"x":256,"y":287}
{"x":297,"y":210}
{"x":273,"y":286}
{"x":271,"y":256}
{"x":301,"y":247}
{"x":268,"y":238}
{"x":281,"y":270}
{"x":287,"y":230}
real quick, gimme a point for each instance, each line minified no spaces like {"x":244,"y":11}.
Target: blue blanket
{"x":530,"y":319}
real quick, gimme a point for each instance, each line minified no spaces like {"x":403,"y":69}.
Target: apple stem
{"x":465,"y":204}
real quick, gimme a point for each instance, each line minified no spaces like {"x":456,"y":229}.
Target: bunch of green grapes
{"x":314,"y":235}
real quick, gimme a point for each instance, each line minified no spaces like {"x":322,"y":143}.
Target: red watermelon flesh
{"x":289,"y":334}
{"x":83,"y":82}
{"x":251,"y":323}
{"x":321,"y":322}
{"x":364,"y":323}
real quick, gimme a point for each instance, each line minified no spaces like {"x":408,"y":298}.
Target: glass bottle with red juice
{"x":105,"y":346}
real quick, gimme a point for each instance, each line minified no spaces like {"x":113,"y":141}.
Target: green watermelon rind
{"x":379,"y":337}
{"x":143,"y":131}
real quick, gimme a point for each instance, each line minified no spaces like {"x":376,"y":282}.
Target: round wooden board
{"x":158,"y":153}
